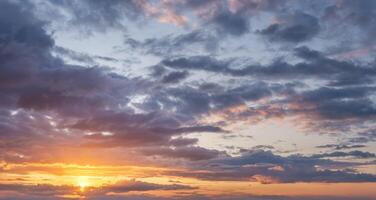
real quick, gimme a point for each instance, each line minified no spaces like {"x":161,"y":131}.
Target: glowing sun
{"x":82,"y":182}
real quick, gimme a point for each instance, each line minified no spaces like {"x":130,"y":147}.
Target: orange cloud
{"x":163,"y":12}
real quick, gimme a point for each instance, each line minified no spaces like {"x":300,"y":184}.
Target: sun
{"x":82,"y":182}
{"x":82,"y":185}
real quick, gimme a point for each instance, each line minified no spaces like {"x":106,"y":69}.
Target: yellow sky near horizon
{"x":90,"y":178}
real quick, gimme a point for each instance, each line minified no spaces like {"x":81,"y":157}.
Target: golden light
{"x":82,"y":183}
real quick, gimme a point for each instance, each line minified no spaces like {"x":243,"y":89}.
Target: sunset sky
{"x":188,"y":99}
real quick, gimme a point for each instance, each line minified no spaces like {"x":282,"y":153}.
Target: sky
{"x":187,"y":99}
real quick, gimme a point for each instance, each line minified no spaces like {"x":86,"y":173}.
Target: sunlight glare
{"x":82,"y":183}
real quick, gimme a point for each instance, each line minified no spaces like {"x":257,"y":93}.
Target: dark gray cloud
{"x":230,"y":18}
{"x":356,"y":154}
{"x":245,"y":6}
{"x":24,"y":44}
{"x":83,"y":57}
{"x":132,"y":130}
{"x":80,"y":57}
{"x":266,"y":167}
{"x":183,"y":141}
{"x":49,"y":96}
{"x":340,"y":103}
{"x":175,"y":77}
{"x":341,"y":146}
{"x":330,"y":93}
{"x":342,"y":109}
{"x":295,"y":28}
{"x":234,"y":24}
{"x":194,"y":42}
{"x":216,"y":14}
{"x":339,"y":99}
{"x":315,"y":66}
{"x":192,"y":102}
{"x":364,"y":137}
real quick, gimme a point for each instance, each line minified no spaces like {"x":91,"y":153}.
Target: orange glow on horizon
{"x":97,"y":177}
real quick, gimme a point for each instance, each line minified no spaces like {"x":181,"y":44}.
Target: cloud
{"x":71,"y":113}
{"x":341,"y":103}
{"x":50,"y":97}
{"x":205,"y":63}
{"x":233,"y":24}
{"x":38,"y":190}
{"x":364,"y":137}
{"x":354,"y":14}
{"x":345,"y":93}
{"x":175,"y":77}
{"x":133,"y":185}
{"x":47,"y":190}
{"x":192,"y":102}
{"x":229,"y":18}
{"x":24,"y":44}
{"x":266,"y":167}
{"x":165,"y":12}
{"x":341,"y":147}
{"x":295,"y":28}
{"x":189,"y":152}
{"x":194,"y":42}
{"x":96,"y":16}
{"x":127,"y":186}
{"x":356,"y":154}
{"x":83,"y":57}
{"x":131,"y":130}
{"x":255,"y":5}
{"x":91,"y":16}
{"x":314,"y":66}
{"x":245,"y":197}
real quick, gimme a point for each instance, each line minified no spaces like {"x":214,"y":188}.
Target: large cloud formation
{"x":53,"y":111}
